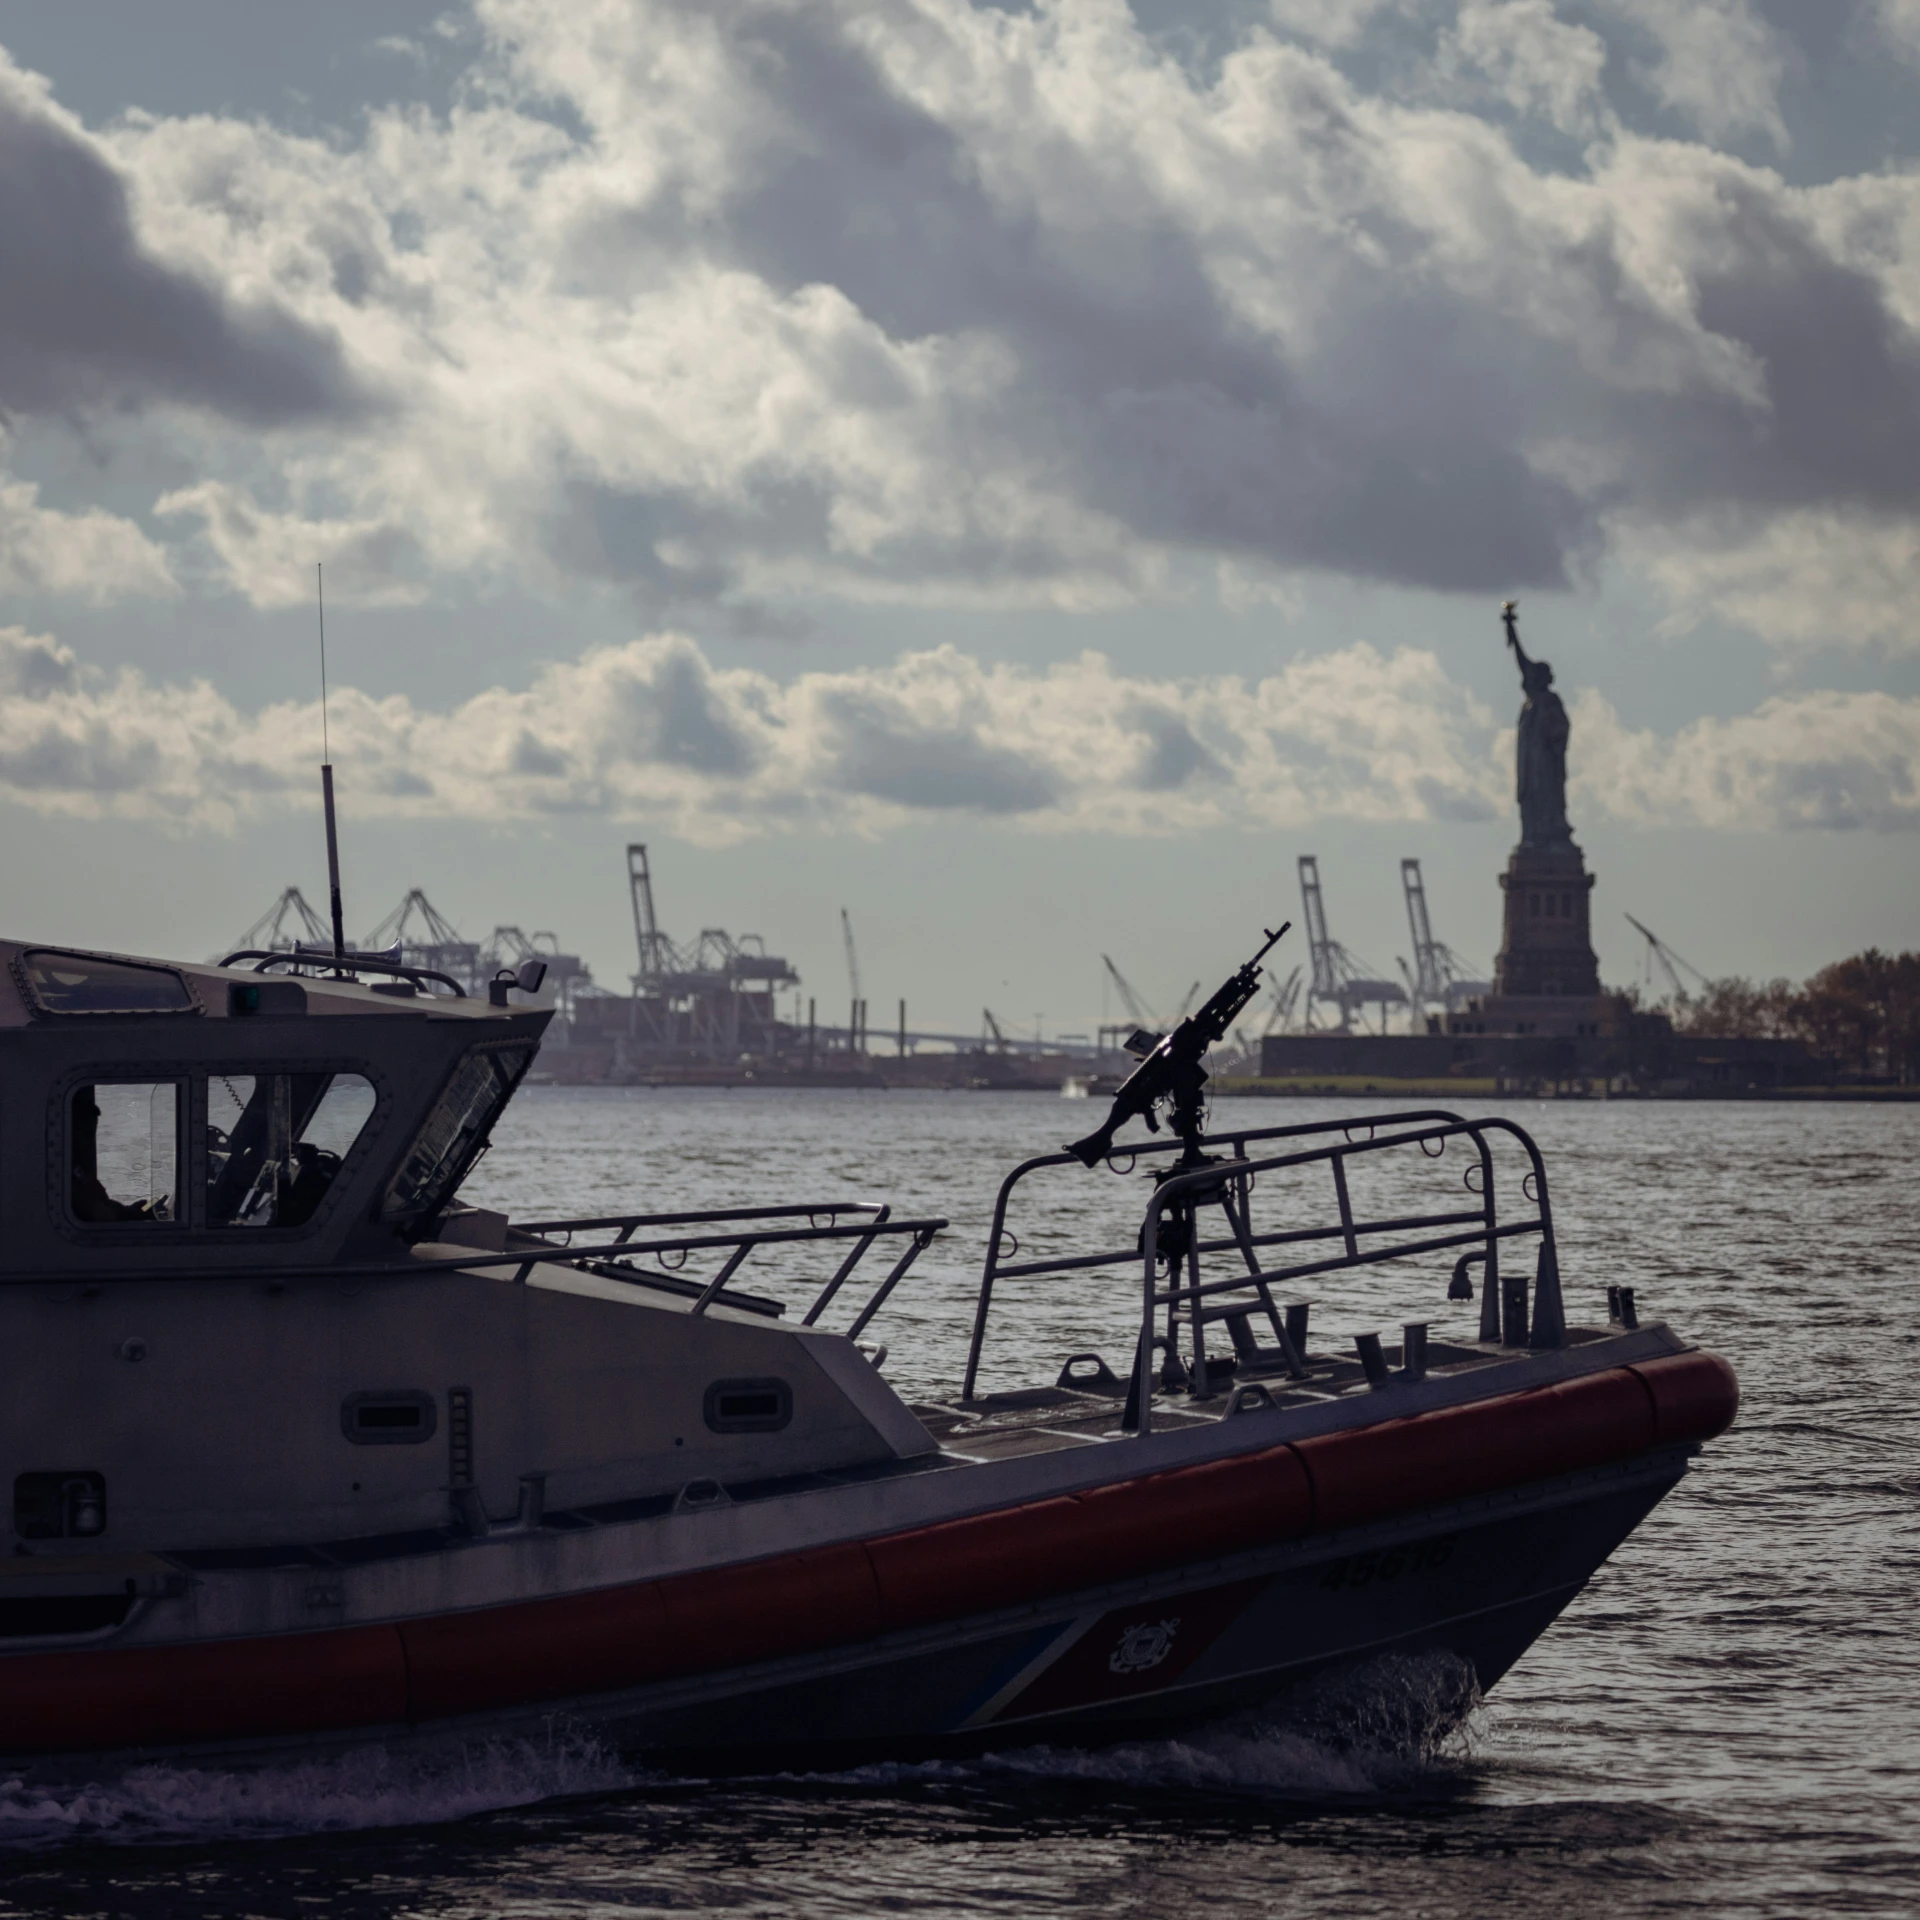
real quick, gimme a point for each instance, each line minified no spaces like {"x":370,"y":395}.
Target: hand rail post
{"x":847,"y":1265}
{"x":914,"y":1248}
{"x":721,"y":1278}
{"x":1490,"y":1268}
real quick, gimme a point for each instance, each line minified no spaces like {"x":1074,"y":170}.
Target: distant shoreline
{"x":1345,"y":1086}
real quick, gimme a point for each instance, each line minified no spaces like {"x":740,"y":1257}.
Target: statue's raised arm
{"x":1510,"y":613}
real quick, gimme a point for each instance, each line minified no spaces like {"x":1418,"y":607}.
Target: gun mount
{"x":1172,"y":1072}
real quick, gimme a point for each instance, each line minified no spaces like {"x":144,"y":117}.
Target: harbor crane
{"x":857,"y":1014}
{"x":1438,"y":973}
{"x":713,"y":998}
{"x":1286,"y":995}
{"x":426,"y":938}
{"x":272,"y":934}
{"x":1339,"y":977}
{"x":1670,"y":962}
{"x":1138,"y":1011}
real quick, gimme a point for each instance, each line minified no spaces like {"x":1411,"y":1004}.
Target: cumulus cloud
{"x":90,"y":314}
{"x":653,"y":731}
{"x":91,"y":555}
{"x":1539,"y":65}
{"x":725,"y":301}
{"x":1826,"y":760}
{"x":1717,"y":63}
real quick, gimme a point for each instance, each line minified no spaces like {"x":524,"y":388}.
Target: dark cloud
{"x":679,"y":719}
{"x":34,"y":669}
{"x":88,"y":316}
{"x":880,"y":751}
{"x":1173,"y":755}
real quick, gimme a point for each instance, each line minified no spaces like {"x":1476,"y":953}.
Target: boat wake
{"x":1393,"y":1725}
{"x":367,"y":1787}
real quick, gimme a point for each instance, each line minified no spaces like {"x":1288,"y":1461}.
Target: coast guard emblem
{"x":1144,"y":1644}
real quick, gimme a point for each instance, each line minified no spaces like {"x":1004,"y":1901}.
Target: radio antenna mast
{"x":326,"y":783}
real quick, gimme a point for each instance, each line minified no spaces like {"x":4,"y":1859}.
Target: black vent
{"x":401,"y":1417}
{"x":749,"y":1406}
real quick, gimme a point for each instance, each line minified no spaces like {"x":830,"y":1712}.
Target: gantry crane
{"x":1138,"y":1011}
{"x":1437,"y":973}
{"x":271,"y":933}
{"x":857,"y":1015}
{"x":1339,"y":976}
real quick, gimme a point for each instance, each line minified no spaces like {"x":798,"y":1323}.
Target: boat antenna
{"x":326,"y":782}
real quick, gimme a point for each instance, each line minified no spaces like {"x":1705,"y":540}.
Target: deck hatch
{"x":749,"y":1406}
{"x":393,"y":1417}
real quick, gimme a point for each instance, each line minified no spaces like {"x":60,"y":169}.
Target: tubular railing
{"x":1172,"y":1233}
{"x":876,"y":1222}
{"x":529,"y":1248}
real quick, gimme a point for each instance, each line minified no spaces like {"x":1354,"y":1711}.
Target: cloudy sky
{"x":1022,"y":473}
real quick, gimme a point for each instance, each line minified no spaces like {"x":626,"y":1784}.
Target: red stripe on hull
{"x":795,"y":1604}
{"x":1367,"y":1473}
{"x":215,"y":1690}
{"x":626,"y":1636}
{"x":536,"y":1650}
{"x":1695,"y":1395}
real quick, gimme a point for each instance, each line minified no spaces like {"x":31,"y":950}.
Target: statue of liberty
{"x":1541,"y":753}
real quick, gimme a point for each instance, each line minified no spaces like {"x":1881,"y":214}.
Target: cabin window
{"x":85,"y":983}
{"x":401,"y":1417}
{"x":749,"y":1406}
{"x":123,"y":1140}
{"x":275,"y":1142}
{"x":456,"y":1131}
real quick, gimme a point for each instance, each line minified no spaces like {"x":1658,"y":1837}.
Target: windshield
{"x":275,"y":1143}
{"x":455,"y":1132}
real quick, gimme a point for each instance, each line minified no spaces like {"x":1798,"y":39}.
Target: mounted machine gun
{"x":1172,"y":1070}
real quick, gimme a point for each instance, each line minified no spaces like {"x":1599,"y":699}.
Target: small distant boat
{"x":304,"y":1448}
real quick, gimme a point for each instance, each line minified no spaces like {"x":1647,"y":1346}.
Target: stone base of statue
{"x":1545,"y":977}
{"x":1546,"y":946}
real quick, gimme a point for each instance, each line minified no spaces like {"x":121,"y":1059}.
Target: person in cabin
{"x":90,"y":1200}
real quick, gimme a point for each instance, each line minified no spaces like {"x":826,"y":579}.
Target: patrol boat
{"x":305,"y":1450}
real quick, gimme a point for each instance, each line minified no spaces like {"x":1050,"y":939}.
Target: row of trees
{"x":1861,"y":1015}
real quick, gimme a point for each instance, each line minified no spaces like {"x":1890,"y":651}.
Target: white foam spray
{"x":370,"y":1786}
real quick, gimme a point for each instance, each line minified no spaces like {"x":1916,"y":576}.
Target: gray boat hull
{"x":1468,"y":1587}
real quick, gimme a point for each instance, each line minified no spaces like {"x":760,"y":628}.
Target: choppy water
{"x":1728,"y":1721}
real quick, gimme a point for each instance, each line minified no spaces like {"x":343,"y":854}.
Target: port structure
{"x":710,"y":1000}
{"x":1339,"y":978}
{"x":286,"y":927}
{"x":426,"y":938}
{"x":856,"y":1003}
{"x":1438,"y":976}
{"x":1669,"y":962}
{"x":1113,"y":1036}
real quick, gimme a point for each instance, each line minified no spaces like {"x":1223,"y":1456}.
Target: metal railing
{"x":529,"y":1246}
{"x":1172,"y":1235}
{"x":348,"y":964}
{"x":825,"y":1222}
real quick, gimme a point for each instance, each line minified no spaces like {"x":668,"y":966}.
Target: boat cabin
{"x":244,"y":1311}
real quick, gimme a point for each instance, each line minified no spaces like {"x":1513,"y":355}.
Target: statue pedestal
{"x":1546,"y":948}
{"x":1545,"y":977}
